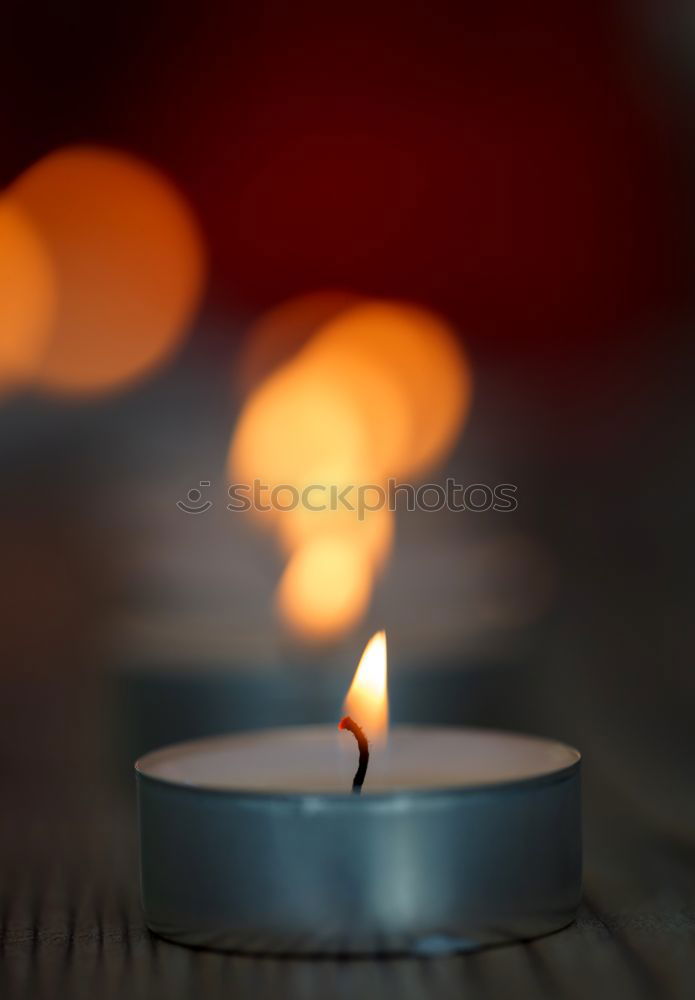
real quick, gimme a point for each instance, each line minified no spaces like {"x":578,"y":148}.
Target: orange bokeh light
{"x":129,"y":262}
{"x":281,"y":332}
{"x":27,"y":296}
{"x":378,"y":391}
{"x":416,"y":355}
{"x":325,"y":588}
{"x":299,"y":429}
{"x":379,"y":398}
{"x":373,"y":532}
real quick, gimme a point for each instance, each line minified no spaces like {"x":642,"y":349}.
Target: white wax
{"x":315,"y":759}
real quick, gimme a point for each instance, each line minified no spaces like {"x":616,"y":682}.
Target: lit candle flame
{"x":367,"y":701}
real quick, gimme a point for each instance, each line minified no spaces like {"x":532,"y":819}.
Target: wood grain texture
{"x":72,"y":927}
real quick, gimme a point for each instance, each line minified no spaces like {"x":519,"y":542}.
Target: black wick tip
{"x":363,"y":746}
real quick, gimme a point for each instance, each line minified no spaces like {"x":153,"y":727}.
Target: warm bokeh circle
{"x":27,"y":296}
{"x":129,"y":262}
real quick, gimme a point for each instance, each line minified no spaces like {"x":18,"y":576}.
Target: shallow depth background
{"x":525,"y":168}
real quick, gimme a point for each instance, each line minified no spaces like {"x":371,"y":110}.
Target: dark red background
{"x":508,"y":163}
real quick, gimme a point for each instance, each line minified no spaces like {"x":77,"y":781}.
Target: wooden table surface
{"x":72,"y":927}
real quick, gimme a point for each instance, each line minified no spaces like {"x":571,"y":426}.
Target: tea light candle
{"x":460,"y":838}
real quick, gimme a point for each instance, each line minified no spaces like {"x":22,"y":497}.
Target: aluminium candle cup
{"x":461,"y":838}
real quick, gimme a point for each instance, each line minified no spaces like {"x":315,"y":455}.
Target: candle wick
{"x":363,"y":746}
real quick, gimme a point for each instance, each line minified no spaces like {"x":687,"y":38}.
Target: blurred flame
{"x":374,"y":533}
{"x":325,"y":588}
{"x":367,"y":701}
{"x":375,"y":390}
{"x":282,"y":331}
{"x":379,"y":398}
{"x":297,"y":429}
{"x":407,"y":367}
{"x":129,"y":262}
{"x":27,"y":296}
